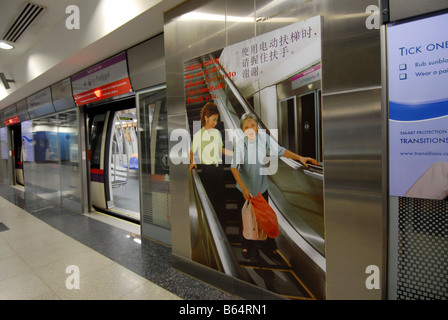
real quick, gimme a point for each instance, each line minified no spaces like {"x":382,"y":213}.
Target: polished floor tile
{"x":35,"y":262}
{"x":40,"y":241}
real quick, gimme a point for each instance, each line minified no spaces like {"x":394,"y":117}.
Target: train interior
{"x":16,"y":139}
{"x":113,"y":150}
{"x":121,"y":184}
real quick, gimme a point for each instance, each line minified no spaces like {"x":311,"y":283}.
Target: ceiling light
{"x":5,"y":46}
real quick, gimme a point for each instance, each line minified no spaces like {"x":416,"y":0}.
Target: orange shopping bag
{"x":266,"y":217}
{"x":251,"y":229}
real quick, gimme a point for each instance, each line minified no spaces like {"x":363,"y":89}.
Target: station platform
{"x":40,"y":243}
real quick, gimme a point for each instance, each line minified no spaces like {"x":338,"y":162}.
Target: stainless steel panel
{"x":22,"y":111}
{"x":202,"y":26}
{"x":177,"y":91}
{"x":180,"y":227}
{"x":147,"y":63}
{"x":10,"y":112}
{"x":350,"y":51}
{"x":272,"y":15}
{"x":354,"y":222}
{"x":40,"y":104}
{"x":62,"y":95}
{"x":240,"y":21}
{"x":402,"y":9}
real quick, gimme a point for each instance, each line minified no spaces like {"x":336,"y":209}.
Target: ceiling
{"x":48,"y":52}
{"x":53,"y":13}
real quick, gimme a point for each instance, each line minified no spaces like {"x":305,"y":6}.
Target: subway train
{"x":323,"y":80}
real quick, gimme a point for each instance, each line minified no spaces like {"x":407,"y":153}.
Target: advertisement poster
{"x":218,"y":88}
{"x":418,"y":108}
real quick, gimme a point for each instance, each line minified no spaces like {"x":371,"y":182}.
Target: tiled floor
{"x":39,"y":241}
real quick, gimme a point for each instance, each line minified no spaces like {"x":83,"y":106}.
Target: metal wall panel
{"x":402,"y":9}
{"x":147,"y":63}
{"x":354,"y":218}
{"x":273,"y":15}
{"x":10,"y":112}
{"x":62,"y":95}
{"x":204,"y":30}
{"x":195,"y":36}
{"x":22,"y":111}
{"x":350,"y":51}
{"x":239,"y":20}
{"x":180,"y":226}
{"x":40,"y":104}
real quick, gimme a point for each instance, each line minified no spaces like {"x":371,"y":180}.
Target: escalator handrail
{"x":226,"y":255}
{"x":317,"y":170}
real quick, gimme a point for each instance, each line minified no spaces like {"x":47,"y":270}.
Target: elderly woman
{"x":249,"y":169}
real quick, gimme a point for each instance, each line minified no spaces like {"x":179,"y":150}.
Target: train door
{"x":4,"y":175}
{"x":114,"y":160}
{"x":17,"y":155}
{"x":154,"y":171}
{"x":122,"y":159}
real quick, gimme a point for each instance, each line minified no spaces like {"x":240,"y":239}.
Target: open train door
{"x":113,"y":157}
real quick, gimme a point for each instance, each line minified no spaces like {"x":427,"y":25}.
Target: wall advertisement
{"x":230,"y":158}
{"x":418,"y":108}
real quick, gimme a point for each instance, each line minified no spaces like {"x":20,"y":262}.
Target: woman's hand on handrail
{"x":193,"y":165}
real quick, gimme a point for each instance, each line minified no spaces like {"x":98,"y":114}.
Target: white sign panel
{"x":104,"y":80}
{"x":273,"y":57}
{"x":418,"y":108}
